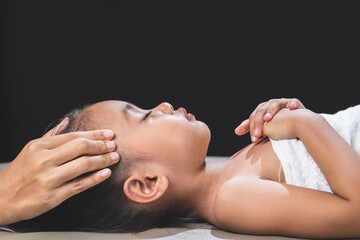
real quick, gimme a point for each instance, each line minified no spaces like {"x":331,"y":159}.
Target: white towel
{"x":299,"y":167}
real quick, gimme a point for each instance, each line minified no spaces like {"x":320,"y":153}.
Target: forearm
{"x":338,"y":161}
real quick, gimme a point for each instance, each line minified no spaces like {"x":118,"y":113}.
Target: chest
{"x":256,"y":160}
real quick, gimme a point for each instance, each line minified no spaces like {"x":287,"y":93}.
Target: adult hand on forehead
{"x":46,"y":171}
{"x":263,"y":113}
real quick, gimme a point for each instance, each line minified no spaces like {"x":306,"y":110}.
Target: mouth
{"x":187,"y":115}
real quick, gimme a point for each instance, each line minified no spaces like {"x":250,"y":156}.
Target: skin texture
{"x":257,"y":206}
{"x":43,"y":175}
{"x":172,"y":158}
{"x":264,"y":113}
{"x":241,"y":194}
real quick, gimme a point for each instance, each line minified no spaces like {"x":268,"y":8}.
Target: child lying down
{"x":300,"y":177}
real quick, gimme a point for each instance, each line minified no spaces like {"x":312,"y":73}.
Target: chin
{"x":207,"y":134}
{"x":205,"y":130}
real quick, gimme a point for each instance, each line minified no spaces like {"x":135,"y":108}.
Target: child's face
{"x":166,"y":135}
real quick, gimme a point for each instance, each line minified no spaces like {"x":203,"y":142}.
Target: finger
{"x":78,"y":185}
{"x":274,"y":107}
{"x":79,"y":147}
{"x":243,"y":128}
{"x":251,"y":125}
{"x":79,"y":166}
{"x":295,"y":104}
{"x":277,"y":104}
{"x":292,"y":106}
{"x":258,"y":122}
{"x":55,"y":141}
{"x":268,"y":116}
{"x":252,"y":120}
{"x":60,"y":127}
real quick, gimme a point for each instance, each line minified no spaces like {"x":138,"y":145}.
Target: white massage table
{"x":198,"y":231}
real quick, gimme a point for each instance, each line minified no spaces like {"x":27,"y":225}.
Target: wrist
{"x":303,"y":120}
{"x":4,"y":214}
{"x":7,"y":213}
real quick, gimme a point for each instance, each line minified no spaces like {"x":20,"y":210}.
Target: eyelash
{"x":146,"y":115}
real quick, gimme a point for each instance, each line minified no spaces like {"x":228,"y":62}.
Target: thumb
{"x":243,"y":128}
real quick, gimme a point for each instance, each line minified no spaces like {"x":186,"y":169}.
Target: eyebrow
{"x":126,"y":109}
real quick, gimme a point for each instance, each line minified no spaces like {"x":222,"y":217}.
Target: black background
{"x":218,"y":59}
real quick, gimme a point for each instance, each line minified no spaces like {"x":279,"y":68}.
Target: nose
{"x":165,"y":107}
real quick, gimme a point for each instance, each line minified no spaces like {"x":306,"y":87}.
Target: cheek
{"x":169,"y":138}
{"x":193,"y":139}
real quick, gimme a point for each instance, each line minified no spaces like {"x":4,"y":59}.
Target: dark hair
{"x":105,"y":208}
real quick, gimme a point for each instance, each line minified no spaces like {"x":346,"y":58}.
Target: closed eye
{"x":146,"y":115}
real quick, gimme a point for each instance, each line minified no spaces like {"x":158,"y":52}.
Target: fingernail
{"x":268,"y":115}
{"x":114,"y":156}
{"x":253,"y":138}
{"x":66,"y":120}
{"x":110,"y":145}
{"x":108,"y":134}
{"x":104,"y":173}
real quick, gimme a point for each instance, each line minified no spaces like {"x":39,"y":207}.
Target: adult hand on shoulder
{"x":263,"y":113}
{"x":43,"y":175}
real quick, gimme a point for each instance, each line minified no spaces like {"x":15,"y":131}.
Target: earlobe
{"x":145,"y":189}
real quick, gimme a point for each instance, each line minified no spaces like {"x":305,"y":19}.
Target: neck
{"x":202,"y":189}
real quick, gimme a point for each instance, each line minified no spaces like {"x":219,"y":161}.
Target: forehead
{"x":108,"y":114}
{"x":123,"y":118}
{"x":110,"y":105}
{"x":114,"y":113}
{"x":111,"y":115}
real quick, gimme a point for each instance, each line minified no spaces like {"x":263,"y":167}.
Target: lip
{"x":188,"y":116}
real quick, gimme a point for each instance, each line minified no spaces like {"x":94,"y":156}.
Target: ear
{"x":145,"y":189}
{"x":60,"y":127}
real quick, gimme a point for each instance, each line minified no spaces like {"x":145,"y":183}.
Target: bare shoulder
{"x":231,"y":210}
{"x":257,"y":206}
